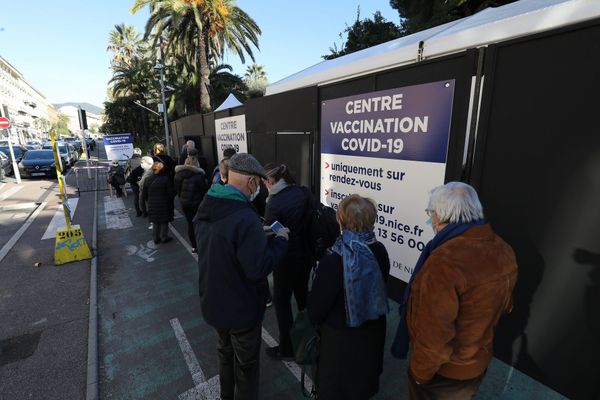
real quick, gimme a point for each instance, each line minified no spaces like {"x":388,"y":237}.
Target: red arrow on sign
{"x":326,"y":165}
{"x":4,"y":123}
{"x":326,"y":192}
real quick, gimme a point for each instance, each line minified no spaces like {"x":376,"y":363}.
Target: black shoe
{"x":167,"y":240}
{"x":269,"y":303}
{"x":145,"y":215}
{"x":273,"y":352}
{"x":194,"y":250}
{"x":138,"y":214}
{"x":156,"y":241}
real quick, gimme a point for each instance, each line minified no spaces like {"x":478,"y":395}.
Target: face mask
{"x":429,"y":222}
{"x":253,"y":195}
{"x":145,"y":167}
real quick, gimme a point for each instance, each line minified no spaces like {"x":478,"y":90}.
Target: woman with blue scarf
{"x":348,"y":301}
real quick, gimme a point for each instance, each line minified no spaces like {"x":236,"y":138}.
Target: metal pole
{"x":12,"y":156}
{"x":164,"y":102}
{"x":87,"y":154}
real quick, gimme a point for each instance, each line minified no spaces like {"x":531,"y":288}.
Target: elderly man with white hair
{"x":185,"y":151}
{"x":461,"y":285}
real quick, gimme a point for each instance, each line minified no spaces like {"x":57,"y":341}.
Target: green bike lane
{"x":154,"y":344}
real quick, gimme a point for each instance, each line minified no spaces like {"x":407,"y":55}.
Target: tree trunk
{"x":204,"y":74}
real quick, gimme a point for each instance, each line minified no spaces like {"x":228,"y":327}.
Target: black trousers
{"x":136,"y":198}
{"x":239,"y":356}
{"x":442,"y":388}
{"x":117,"y":188}
{"x":189,"y":210}
{"x":289,"y":277}
{"x":160,"y":231}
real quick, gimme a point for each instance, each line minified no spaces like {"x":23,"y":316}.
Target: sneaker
{"x":269,"y":303}
{"x":194,"y":250}
{"x":273,"y":352}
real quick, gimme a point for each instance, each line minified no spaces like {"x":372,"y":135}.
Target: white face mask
{"x":145,"y":166}
{"x":256,"y":192}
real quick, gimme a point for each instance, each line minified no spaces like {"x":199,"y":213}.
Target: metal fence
{"x":94,"y":178}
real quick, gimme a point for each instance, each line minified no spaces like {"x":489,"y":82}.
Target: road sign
{"x":4,"y":123}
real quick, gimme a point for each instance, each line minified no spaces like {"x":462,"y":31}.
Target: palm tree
{"x":223,"y":82}
{"x":125,"y":43}
{"x":256,"y":80}
{"x":201,"y":29}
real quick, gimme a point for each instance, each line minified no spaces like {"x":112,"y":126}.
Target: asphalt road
{"x":43,"y":309}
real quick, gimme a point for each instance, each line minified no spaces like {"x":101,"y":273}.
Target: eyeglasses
{"x":429,"y":212}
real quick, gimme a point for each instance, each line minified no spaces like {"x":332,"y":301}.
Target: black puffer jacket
{"x":190,"y":184}
{"x":289,"y":208}
{"x":158,"y":193}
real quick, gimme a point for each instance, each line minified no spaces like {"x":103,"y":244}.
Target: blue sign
{"x":120,"y":138}
{"x":118,"y":146}
{"x":408,"y":123}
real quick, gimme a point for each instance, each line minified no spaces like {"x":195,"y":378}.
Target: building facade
{"x":23,"y":103}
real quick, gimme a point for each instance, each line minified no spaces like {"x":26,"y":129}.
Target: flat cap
{"x":246,"y":164}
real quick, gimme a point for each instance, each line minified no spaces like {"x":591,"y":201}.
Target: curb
{"x":92,"y":358}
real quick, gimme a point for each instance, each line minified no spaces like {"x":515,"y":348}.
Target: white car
{"x":67,"y":152}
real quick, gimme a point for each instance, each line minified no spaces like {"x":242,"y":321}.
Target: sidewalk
{"x":154,"y":343}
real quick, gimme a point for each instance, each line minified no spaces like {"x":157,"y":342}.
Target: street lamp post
{"x":161,"y":67}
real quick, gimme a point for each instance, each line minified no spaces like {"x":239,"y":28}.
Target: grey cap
{"x":246,"y":164}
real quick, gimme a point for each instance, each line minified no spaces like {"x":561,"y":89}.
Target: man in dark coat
{"x":158,"y":193}
{"x":236,"y":258}
{"x":185,"y":152}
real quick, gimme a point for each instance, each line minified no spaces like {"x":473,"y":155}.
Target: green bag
{"x":305,"y":340}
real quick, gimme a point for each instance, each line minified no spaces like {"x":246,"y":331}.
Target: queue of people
{"x":461,"y":285}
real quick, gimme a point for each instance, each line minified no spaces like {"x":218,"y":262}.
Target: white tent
{"x":230,"y":102}
{"x":492,"y":25}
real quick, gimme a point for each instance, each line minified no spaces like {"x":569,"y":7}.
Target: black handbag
{"x":305,"y":342}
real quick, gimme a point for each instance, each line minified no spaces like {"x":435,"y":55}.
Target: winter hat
{"x":246,"y":164}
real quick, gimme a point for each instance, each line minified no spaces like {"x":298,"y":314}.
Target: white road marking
{"x":291,"y":365}
{"x":10,"y":192}
{"x":2,"y":185}
{"x":183,"y":242}
{"x":188,"y":353}
{"x":203,"y":389}
{"x":58,"y":220}
{"x":210,"y":390}
{"x":13,"y":240}
{"x":20,"y":206}
{"x":41,"y":321}
{"x":117,"y":215}
{"x":143,"y":251}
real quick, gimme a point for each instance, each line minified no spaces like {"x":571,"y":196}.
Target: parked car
{"x":18,"y":150}
{"x":38,"y":163}
{"x":67,"y":152}
{"x":5,"y":164}
{"x":33,"y":145}
{"x":76,"y":143}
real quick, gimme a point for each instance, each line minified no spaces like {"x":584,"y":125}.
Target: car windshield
{"x":17,"y":150}
{"x":61,"y":147}
{"x":38,"y":155}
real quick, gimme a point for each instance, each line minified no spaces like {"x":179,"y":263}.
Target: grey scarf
{"x":278,"y":187}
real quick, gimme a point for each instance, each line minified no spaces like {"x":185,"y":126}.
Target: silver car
{"x":5,"y":165}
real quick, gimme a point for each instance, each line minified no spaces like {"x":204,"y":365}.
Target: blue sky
{"x":60,"y":46}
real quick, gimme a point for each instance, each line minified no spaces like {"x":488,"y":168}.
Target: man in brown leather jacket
{"x":457,"y":297}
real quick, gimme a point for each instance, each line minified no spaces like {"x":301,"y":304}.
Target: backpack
{"x":321,"y":228}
